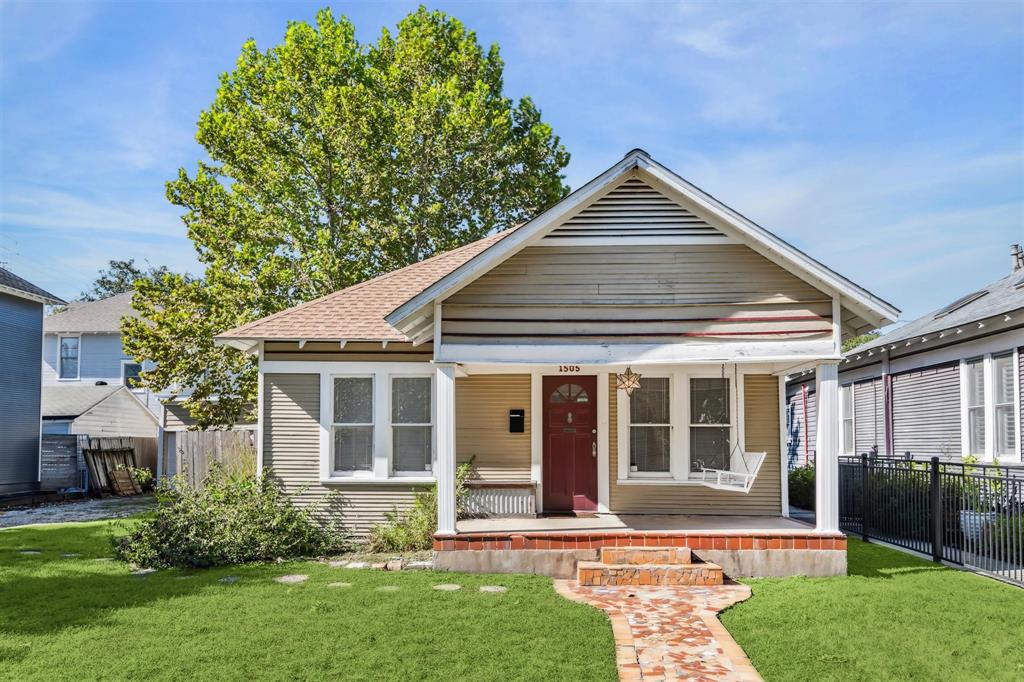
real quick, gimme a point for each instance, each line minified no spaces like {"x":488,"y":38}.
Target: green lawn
{"x":83,"y":619}
{"x":894,"y":617}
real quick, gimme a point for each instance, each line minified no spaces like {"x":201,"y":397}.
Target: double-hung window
{"x":130,"y":373}
{"x":68,"y":363}
{"x":710,"y":423}
{"x":1003,"y":397}
{"x":650,"y":429}
{"x":975,"y":405}
{"x":352,"y":427}
{"x":846,"y":405}
{"x":412,"y":424}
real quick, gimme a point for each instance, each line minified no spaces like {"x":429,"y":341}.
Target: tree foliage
{"x":850,"y":344}
{"x":331,"y":162}
{"x":120,"y":277}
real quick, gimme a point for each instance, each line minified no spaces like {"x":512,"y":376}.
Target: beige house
{"x":614,"y":368}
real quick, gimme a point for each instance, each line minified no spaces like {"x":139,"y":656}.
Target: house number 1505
{"x":568,"y":368}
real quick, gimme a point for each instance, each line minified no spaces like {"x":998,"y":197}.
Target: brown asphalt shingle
{"x":357,"y":313}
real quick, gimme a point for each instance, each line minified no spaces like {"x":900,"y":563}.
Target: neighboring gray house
{"x":98,"y":411}
{"x":947,"y":384}
{"x":21,"y":328}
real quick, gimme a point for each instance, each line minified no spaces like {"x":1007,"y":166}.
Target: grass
{"x":84,"y":618}
{"x":894,"y":617}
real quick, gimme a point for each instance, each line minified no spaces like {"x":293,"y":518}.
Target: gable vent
{"x":636,"y":211}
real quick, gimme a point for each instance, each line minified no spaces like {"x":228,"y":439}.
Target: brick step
{"x":646,"y":555}
{"x":598,"y":573}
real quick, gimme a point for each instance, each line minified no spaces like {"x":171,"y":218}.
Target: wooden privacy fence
{"x":198,"y":450}
{"x":62,"y":461}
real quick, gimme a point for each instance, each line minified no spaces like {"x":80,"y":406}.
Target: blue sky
{"x":887,"y":140}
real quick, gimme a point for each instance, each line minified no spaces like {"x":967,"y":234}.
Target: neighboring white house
{"x":947,"y":384}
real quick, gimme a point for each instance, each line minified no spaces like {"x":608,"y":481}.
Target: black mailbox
{"x":516,"y":421}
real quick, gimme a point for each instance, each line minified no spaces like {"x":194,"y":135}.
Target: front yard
{"x":84,"y":617}
{"x":67,"y":612}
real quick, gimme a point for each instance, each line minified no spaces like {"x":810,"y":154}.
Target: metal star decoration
{"x":628,"y":381}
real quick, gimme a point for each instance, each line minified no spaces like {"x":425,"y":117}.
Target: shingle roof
{"x":357,"y":313}
{"x":73,"y":400}
{"x":92,"y":316}
{"x":16,"y":286}
{"x":1002,"y":296}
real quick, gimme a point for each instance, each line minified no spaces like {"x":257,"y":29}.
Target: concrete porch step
{"x":598,"y":573}
{"x":645,"y":555}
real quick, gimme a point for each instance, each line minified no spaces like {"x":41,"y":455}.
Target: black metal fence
{"x":969,"y":514}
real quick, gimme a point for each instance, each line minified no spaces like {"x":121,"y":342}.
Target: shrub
{"x":413,"y":529}
{"x":801,"y":486}
{"x":229,"y":520}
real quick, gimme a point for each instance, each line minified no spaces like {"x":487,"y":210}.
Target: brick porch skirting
{"x":596,"y":540}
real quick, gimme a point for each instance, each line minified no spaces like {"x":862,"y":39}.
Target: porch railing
{"x":965,"y":514}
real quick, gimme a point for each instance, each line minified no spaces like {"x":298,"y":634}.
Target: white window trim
{"x":331,"y":425}
{"x":679,"y":414}
{"x":60,"y":361}
{"x":853,"y":419}
{"x":989,"y":405}
{"x":433,"y":428}
{"x":382,"y":443}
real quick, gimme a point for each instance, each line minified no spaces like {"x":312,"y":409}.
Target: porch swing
{"x":743,"y":466}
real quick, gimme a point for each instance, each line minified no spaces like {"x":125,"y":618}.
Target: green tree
{"x":850,"y":344}
{"x":331,"y":162}
{"x":120,"y":277}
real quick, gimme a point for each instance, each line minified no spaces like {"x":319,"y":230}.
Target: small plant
{"x":801,"y":486}
{"x":228,"y":520}
{"x":413,"y":529}
{"x":142,"y":475}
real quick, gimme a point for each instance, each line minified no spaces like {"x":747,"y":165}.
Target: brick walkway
{"x":670,"y":633}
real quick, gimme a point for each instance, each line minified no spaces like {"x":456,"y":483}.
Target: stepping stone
{"x":143,"y":571}
{"x":189,"y":577}
{"x":29,"y":551}
{"x":106,"y":558}
{"x":227,"y":580}
{"x":379,"y":566}
{"x":419,"y":565}
{"x":339,"y":584}
{"x":70,"y":555}
{"x":447,"y":587}
{"x":292,"y":579}
{"x":393,"y":565}
{"x":338,"y":563}
{"x":388,"y":588}
{"x":357,"y":564}
{"x":493,"y":588}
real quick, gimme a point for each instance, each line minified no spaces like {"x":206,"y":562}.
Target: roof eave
{"x":38,"y":298}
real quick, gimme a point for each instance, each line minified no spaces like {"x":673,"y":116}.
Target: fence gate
{"x":971,"y":515}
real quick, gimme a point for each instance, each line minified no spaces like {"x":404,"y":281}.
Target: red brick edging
{"x":589,"y":540}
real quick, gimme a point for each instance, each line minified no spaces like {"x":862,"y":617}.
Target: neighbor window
{"x":130,"y":373}
{"x":352,"y":428}
{"x":412,"y":429}
{"x":1005,"y":424}
{"x":68,"y":365}
{"x":975,"y":405}
{"x":650,"y":427}
{"x":710,"y":424}
{"x":846,"y":404}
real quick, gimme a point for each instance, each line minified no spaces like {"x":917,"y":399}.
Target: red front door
{"x":570,"y":443}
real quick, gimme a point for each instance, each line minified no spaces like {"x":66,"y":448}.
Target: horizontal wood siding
{"x":352,"y":352}
{"x":482,"y":403}
{"x":21,"y":328}
{"x":761,"y":425}
{"x":635,"y":294}
{"x":120,"y":414}
{"x":291,"y":442}
{"x":868,"y":416}
{"x":926,"y":411}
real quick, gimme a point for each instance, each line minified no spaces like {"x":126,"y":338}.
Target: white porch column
{"x":826,"y":460}
{"x":444,"y":401}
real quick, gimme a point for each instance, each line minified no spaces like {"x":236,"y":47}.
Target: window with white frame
{"x":846,"y":405}
{"x":974,"y":404}
{"x":352,"y":425}
{"x":68,"y":362}
{"x":710,"y":423}
{"x":412,"y":425}
{"x":130,"y":373}
{"x":1003,"y":371}
{"x":650,"y":429}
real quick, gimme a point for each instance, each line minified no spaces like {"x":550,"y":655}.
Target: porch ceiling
{"x":636,"y":522}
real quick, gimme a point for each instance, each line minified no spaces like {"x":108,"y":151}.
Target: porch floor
{"x":690,"y":524}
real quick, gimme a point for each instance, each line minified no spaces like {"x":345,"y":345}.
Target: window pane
{"x":649,"y":403}
{"x":709,"y":448}
{"x":976,"y":430}
{"x":1003,"y":370}
{"x":410,"y":400}
{"x":353,"y":448}
{"x":1005,"y":431}
{"x":709,"y":401}
{"x":649,"y":448}
{"x":847,"y":436}
{"x":975,"y":383}
{"x":69,"y":357}
{"x":131,"y":373}
{"x":411,"y":447}
{"x":846,"y":398}
{"x":353,"y":400}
